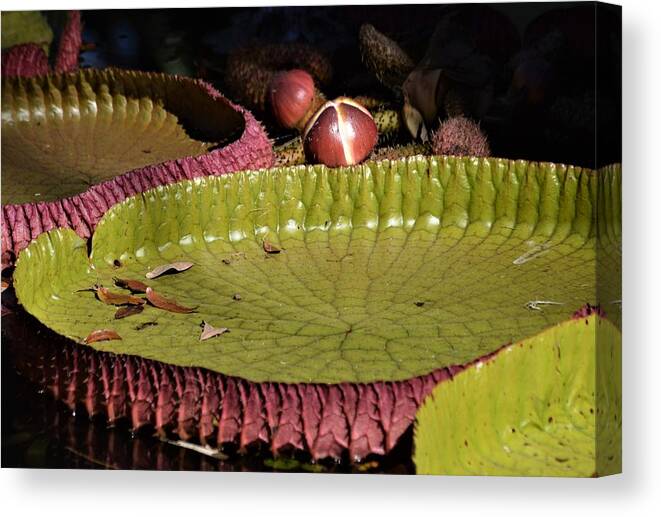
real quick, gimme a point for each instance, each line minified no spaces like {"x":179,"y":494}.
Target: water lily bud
{"x":341,"y":132}
{"x":291,"y":93}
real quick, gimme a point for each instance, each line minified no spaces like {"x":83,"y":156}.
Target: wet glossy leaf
{"x":164,"y":303}
{"x":168,"y":268}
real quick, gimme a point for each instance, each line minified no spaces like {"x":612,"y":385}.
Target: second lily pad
{"x":63,"y":133}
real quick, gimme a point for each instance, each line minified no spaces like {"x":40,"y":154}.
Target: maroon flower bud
{"x":341,"y":132}
{"x":291,"y":94}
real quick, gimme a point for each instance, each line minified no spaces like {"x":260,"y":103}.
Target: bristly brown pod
{"x":340,"y":133}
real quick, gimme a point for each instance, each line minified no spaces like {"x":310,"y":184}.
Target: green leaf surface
{"x":20,"y":27}
{"x":388,"y":270}
{"x":549,"y":405}
{"x":62,"y":134}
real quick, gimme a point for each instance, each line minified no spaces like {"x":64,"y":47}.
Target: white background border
{"x":636,"y":492}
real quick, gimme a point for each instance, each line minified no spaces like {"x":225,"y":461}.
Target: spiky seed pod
{"x":341,"y":133}
{"x":459,"y":136}
{"x":384,"y":57}
{"x":294,"y":98}
{"x":250,"y":70}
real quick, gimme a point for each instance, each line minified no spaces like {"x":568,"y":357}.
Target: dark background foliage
{"x":568,"y":54}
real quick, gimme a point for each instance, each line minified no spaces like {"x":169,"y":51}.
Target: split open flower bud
{"x":341,"y":132}
{"x":292,"y":95}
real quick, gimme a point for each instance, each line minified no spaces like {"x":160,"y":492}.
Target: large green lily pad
{"x":550,"y":405}
{"x":388,"y":270}
{"x":62,"y":134}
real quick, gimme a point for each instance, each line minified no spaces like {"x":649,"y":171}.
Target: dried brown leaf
{"x":135,"y":286}
{"x":233,"y":257}
{"x":102,"y":335}
{"x":107,"y":296}
{"x":128,"y":310}
{"x":163,"y":303}
{"x":177,"y":267}
{"x":270,"y":248}
{"x":210,"y":331}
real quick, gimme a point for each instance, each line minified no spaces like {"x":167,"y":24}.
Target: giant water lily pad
{"x":63,"y":133}
{"x":550,"y":405}
{"x":386,"y":271}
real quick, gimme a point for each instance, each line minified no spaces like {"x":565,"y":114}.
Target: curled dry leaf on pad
{"x":209,"y":331}
{"x":102,"y":335}
{"x":135,"y":286}
{"x":166,"y":304}
{"x":176,"y":267}
{"x":107,"y":296}
{"x":270,"y":248}
{"x":128,"y":310}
